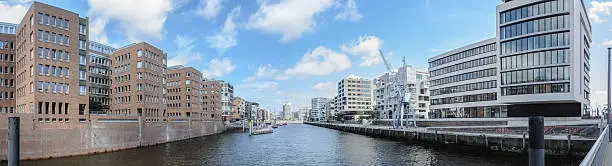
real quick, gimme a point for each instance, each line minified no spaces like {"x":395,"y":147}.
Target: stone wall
{"x":40,"y":140}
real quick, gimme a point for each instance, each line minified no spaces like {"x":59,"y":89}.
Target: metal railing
{"x":597,"y":154}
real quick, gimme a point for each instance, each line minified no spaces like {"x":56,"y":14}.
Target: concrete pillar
{"x":139,"y":129}
{"x":536,"y":141}
{"x":13,"y":141}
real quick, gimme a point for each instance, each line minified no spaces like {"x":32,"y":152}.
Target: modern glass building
{"x":538,"y":64}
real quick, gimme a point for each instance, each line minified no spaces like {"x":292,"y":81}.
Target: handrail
{"x":597,"y":154}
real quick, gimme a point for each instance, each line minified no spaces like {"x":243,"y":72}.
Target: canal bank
{"x":555,"y":145}
{"x":295,"y":144}
{"x":44,"y":139}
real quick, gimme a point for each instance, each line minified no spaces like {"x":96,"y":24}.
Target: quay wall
{"x":98,"y":134}
{"x":554,"y":146}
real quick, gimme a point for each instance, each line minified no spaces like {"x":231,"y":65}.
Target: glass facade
{"x":536,"y":42}
{"x":463,"y":54}
{"x":557,"y":73}
{"x":465,"y":99}
{"x":536,"y":9}
{"x":465,"y":88}
{"x":470,"y":112}
{"x":465,"y":76}
{"x":465,"y":65}
{"x":552,"y":57}
{"x":535,"y":26}
{"x":536,"y":89}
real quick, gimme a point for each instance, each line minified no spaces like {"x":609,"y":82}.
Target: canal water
{"x":295,"y":144}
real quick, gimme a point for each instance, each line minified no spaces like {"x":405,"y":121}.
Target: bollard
{"x":536,"y":141}
{"x":13,"y":141}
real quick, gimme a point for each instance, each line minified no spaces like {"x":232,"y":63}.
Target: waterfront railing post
{"x":536,"y":141}
{"x":13,"y":141}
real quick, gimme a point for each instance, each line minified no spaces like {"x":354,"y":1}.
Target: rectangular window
{"x":60,"y":88}
{"x":82,"y":60}
{"x":67,"y":72}
{"x":53,"y":71}
{"x":82,"y":29}
{"x":53,"y":88}
{"x":40,"y":18}
{"x":40,"y":69}
{"x":46,"y":69}
{"x":53,"y":54}
{"x":40,"y":35}
{"x":139,"y":64}
{"x":60,"y":72}
{"x":60,"y":39}
{"x":59,"y":22}
{"x":40,"y":52}
{"x":47,"y":19}
{"x":66,"y":40}
{"x":60,"y":55}
{"x":40,"y":86}
{"x":66,"y":24}
{"x":82,"y":75}
{"x":47,"y":53}
{"x":82,"y":44}
{"x":67,"y":92}
{"x":82,"y":90}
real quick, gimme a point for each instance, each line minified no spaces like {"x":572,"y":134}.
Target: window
{"x":60,"y":88}
{"x":82,"y":90}
{"x":66,"y":56}
{"x":82,"y":60}
{"x":139,"y":53}
{"x":139,"y":76}
{"x":53,"y":54}
{"x":40,"y":18}
{"x":187,"y":82}
{"x":82,"y":44}
{"x":60,"y":55}
{"x":40,"y":52}
{"x":40,"y":35}
{"x":53,"y":87}
{"x":59,"y":22}
{"x":40,"y":69}
{"x":46,"y":87}
{"x":47,"y":36}
{"x":46,"y":69}
{"x":139,"y":64}
{"x":66,"y":24}
{"x":60,"y":39}
{"x":47,"y":19}
{"x":31,"y":87}
{"x":60,"y":72}
{"x":53,"y":71}
{"x":82,"y":75}
{"x":82,"y":29}
{"x":52,"y":20}
{"x":67,"y":72}
{"x":67,"y":92}
{"x":40,"y":86}
{"x":139,"y":87}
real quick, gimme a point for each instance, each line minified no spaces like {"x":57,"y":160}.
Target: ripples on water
{"x":293,"y":145}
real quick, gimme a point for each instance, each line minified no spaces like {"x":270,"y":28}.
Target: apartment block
{"x":251,"y":110}
{"x":538,"y":64}
{"x":211,"y":99}
{"x":318,"y":109}
{"x":183,"y":91}
{"x":51,"y":43}
{"x":416,"y":88}
{"x":239,"y":108}
{"x":355,"y":98}
{"x":99,"y":77}
{"x":139,"y":82}
{"x":227,"y":97}
{"x":286,"y":114}
{"x":7,"y":67}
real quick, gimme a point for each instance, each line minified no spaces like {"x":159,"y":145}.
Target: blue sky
{"x":276,"y":51}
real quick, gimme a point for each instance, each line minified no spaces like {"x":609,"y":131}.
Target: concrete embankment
{"x":555,"y":145}
{"x":43,"y":138}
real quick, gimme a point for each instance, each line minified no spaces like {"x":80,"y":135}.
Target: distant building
{"x":7,"y":59}
{"x":355,"y":98}
{"x":318,"y":106}
{"x":286,"y":114}
{"x":416,"y":88}
{"x":239,"y":108}
{"x":251,"y":110}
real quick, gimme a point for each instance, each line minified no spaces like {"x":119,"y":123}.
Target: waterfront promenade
{"x":513,"y":143}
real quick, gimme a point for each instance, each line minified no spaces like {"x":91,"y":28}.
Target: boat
{"x":266,"y":130}
{"x":275,"y":126}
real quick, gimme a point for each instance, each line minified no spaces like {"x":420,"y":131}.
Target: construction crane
{"x":398,"y":92}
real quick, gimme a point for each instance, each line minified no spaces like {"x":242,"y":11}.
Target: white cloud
{"x":138,"y":19}
{"x":349,"y":12}
{"x":218,"y":67}
{"x":264,"y":85}
{"x":13,"y":11}
{"x":328,"y":88}
{"x":209,"y":9}
{"x":607,"y":43}
{"x":366,"y":47}
{"x":184,"y":53}
{"x":320,"y":61}
{"x":264,"y":71}
{"x":598,"y":8}
{"x":226,"y":38}
{"x":290,"y":18}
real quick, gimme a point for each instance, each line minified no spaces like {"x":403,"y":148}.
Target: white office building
{"x":538,"y":64}
{"x":416,"y":87}
{"x":355,"y":98}
{"x":318,"y":109}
